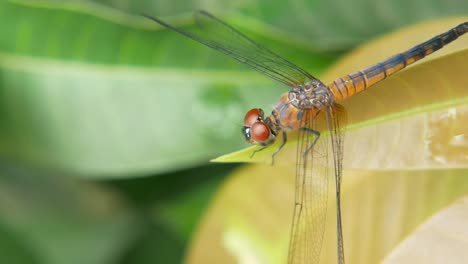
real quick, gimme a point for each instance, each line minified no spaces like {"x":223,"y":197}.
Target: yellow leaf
{"x":442,"y":239}
{"x":407,"y":148}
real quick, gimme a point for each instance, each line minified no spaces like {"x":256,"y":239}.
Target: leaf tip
{"x":243,"y":155}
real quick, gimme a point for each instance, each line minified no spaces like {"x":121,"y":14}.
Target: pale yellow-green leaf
{"x":250,"y":218}
{"x":442,"y":239}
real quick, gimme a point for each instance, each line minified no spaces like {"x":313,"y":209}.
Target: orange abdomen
{"x":352,"y":84}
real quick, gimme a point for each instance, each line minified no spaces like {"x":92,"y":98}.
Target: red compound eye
{"x":252,"y":116}
{"x":260,"y":132}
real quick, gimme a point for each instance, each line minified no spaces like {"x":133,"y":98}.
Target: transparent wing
{"x":337,"y":119}
{"x":310,"y":208}
{"x":312,"y":174}
{"x":216,"y":34}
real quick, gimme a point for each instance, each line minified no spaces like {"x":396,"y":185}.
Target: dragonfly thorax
{"x":312,"y":94}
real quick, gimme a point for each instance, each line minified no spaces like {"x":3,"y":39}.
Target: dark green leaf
{"x":59,"y":220}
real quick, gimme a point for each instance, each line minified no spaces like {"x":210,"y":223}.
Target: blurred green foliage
{"x":107,"y":121}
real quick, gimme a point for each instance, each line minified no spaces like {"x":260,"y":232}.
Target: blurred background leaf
{"x":55,"y":219}
{"x":106,"y":100}
{"x":321,"y":25}
{"x":107,"y":120}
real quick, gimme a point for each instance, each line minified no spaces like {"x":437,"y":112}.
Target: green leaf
{"x":177,"y":199}
{"x":157,"y":245}
{"x":324,"y":25}
{"x":104,"y":97}
{"x":14,"y":250}
{"x":171,"y":206}
{"x":181,"y":213}
{"x":61,"y":220}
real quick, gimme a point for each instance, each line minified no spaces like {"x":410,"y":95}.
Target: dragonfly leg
{"x":257,"y":150}
{"x":317,"y":136}
{"x":285,"y":139}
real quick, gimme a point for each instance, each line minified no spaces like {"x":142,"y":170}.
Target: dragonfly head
{"x":256,"y":130}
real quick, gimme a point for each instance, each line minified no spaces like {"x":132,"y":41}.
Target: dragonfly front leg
{"x":257,"y":150}
{"x":285,"y":139}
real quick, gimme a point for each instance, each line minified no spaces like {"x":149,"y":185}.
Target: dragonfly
{"x":309,"y":108}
